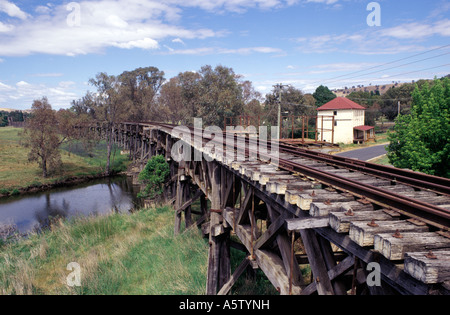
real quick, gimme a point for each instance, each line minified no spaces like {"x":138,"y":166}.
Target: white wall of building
{"x":345,"y":120}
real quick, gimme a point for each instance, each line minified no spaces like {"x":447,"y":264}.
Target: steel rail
{"x":416,"y":179}
{"x":431,"y":214}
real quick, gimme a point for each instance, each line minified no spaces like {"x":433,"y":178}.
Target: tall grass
{"x":118,"y":254}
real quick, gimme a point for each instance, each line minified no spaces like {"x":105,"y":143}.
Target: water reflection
{"x":98,"y":197}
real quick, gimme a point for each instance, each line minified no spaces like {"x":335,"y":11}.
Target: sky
{"x":53,"y":48}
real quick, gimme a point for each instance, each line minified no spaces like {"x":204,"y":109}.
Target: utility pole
{"x":279,"y":88}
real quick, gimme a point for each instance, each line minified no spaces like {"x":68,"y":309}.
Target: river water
{"x":34,"y":211}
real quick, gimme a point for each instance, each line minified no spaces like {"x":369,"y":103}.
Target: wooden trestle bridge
{"x":361,"y":228}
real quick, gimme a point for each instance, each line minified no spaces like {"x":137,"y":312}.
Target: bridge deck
{"x":286,"y":218}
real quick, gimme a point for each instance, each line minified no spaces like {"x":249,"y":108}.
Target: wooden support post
{"x":177,"y":224}
{"x":214,"y":248}
{"x":317,"y":262}
{"x":187,"y":211}
{"x":330,"y":262}
{"x":284,"y":245}
{"x":219,"y":267}
{"x":179,"y":199}
{"x":236,"y":274}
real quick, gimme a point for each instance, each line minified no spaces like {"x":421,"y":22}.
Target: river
{"x":34,"y":211}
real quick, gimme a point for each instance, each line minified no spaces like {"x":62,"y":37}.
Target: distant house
{"x":343,"y":122}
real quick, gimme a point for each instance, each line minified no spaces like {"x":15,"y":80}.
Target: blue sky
{"x":46,"y":51}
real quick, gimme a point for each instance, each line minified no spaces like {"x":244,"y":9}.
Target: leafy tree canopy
{"x":323,"y":95}
{"x":421,"y":139}
{"x":41,"y":135}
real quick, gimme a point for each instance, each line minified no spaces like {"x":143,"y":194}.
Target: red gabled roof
{"x":340,"y":103}
{"x":363,"y":128}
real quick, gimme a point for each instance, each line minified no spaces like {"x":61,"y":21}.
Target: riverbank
{"x":18,"y":176}
{"x":117,"y":254}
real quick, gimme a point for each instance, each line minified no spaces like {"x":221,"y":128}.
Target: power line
{"x":402,"y":65}
{"x":445,"y":65}
{"x":385,"y":64}
{"x":404,"y":73}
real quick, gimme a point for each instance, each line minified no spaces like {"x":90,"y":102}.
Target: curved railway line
{"x":435,"y":215}
{"x":365,"y":210}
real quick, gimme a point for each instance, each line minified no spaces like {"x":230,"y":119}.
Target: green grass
{"x":119,"y":254}
{"x":97,"y":156}
{"x":17,"y":172}
{"x":382,"y":160}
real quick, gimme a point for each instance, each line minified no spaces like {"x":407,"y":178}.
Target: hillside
{"x":9,"y":110}
{"x":371,"y":88}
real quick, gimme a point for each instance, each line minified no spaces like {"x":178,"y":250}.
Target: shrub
{"x":154,"y":176}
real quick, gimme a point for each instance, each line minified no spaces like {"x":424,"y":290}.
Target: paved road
{"x":365,"y":154}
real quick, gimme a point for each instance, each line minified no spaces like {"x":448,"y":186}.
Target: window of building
{"x":335,"y":113}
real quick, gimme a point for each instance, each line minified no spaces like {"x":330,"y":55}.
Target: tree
{"x":42,"y":136}
{"x":292,"y":101}
{"x":3,"y":119}
{"x":390,"y":99}
{"x":252,"y":100}
{"x":211,"y":94}
{"x":369,"y":100}
{"x":138,"y":89}
{"x":190,"y":91}
{"x":108,"y":108}
{"x":220,"y":95}
{"x":421,"y":139}
{"x":171,"y":106}
{"x":323,"y":95}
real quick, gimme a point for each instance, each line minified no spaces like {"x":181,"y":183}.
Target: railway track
{"x":437,"y":216}
{"x":401,"y":214}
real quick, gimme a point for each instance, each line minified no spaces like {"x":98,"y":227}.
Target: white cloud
{"x":12,"y":10}
{"x":5,"y":28}
{"x":343,"y":66}
{"x":178,"y":40}
{"x":47,"y":75}
{"x":169,"y":48}
{"x":146,"y":43}
{"x":219,"y":50}
{"x":103,"y":24}
{"x":323,"y":1}
{"x":237,"y":6}
{"x":22,"y":84}
{"x":23,"y":93}
{"x":115,"y":21}
{"x":5,"y":87}
{"x":418,"y":30}
{"x":402,"y":38}
{"x":111,"y":23}
{"x":329,"y":42}
{"x":43,"y":9}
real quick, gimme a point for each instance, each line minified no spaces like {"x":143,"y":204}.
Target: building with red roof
{"x":342,"y":121}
